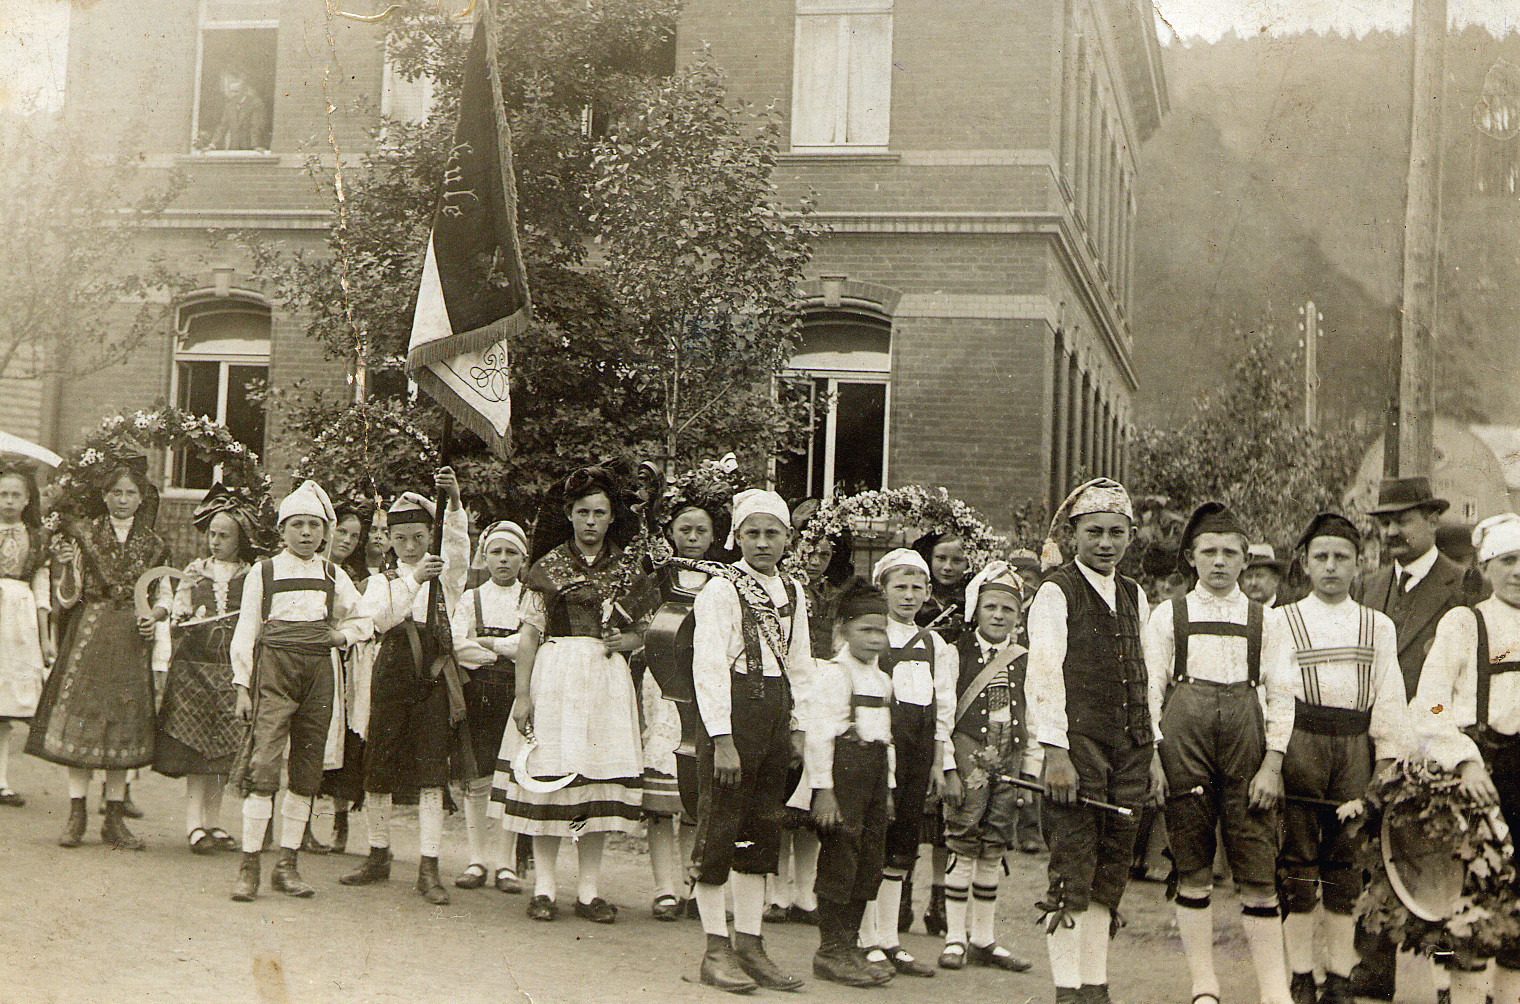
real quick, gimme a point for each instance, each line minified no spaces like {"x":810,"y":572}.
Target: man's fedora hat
{"x":1400,"y":494}
{"x":1265,"y":556}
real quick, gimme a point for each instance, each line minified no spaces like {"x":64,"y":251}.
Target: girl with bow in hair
{"x":199,"y":732}
{"x":96,"y":710}
{"x":26,"y":649}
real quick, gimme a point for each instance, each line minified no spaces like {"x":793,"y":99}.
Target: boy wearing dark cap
{"x":1087,"y":693}
{"x":1350,"y":707}
{"x":1224,"y":730}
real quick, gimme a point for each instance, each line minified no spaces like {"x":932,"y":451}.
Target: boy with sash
{"x":296,"y":608}
{"x":1350,"y":708}
{"x":924,"y":669}
{"x":1087,"y":693}
{"x":415,"y":688}
{"x":752,"y":667}
{"x":1224,"y":729}
{"x":849,"y":768}
{"x":990,"y":741}
{"x":1467,"y":718}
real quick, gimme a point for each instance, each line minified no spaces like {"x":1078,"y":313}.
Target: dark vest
{"x":1105,"y":673}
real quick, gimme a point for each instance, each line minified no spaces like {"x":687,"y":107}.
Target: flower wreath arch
{"x":161,"y":427}
{"x":914,"y":509}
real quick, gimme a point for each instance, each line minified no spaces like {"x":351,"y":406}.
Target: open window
{"x":234,"y":87}
{"x":221,"y":363}
{"x":844,"y":370}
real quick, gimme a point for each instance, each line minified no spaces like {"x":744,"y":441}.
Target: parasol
{"x":25,"y":448}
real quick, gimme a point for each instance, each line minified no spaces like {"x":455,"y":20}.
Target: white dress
{"x":21,"y":596}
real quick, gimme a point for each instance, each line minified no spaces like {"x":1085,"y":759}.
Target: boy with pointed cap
{"x":411,"y":733}
{"x":752,"y":666}
{"x":1350,"y":708}
{"x":1224,"y":728}
{"x":296,"y":608}
{"x":1087,"y":693}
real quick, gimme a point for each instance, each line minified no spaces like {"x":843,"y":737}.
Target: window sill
{"x":839,"y":155}
{"x":228,"y":157}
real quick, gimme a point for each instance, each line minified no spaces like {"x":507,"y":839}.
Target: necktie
{"x":1404,"y":579}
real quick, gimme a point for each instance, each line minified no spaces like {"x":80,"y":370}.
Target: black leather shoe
{"x":797,"y":915}
{"x":749,"y":950}
{"x":844,"y":968}
{"x":598,"y":911}
{"x":114,"y":832}
{"x":1373,"y":977}
{"x":934,"y":914}
{"x":128,"y":807}
{"x":428,"y":883}
{"x":376,"y":868}
{"x":542,"y":908}
{"x":311,"y":845}
{"x":286,"y":879}
{"x":1301,"y":989}
{"x":720,"y":968}
{"x":73,"y":830}
{"x":994,"y":956}
{"x":1337,"y":990}
{"x":774,"y":914}
{"x":247,"y":886}
{"x":1095,"y":993}
{"x":905,"y":964}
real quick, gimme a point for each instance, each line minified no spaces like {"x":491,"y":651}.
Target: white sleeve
{"x":800,"y":668}
{"x":1045,"y":683}
{"x":347,"y":618}
{"x":828,"y":713}
{"x":1156,"y":644}
{"x":947,"y":674}
{"x":716,"y":612}
{"x":468,"y":651}
{"x":1447,"y":699}
{"x":456,"y":554}
{"x":1390,"y":729}
{"x":387,"y":601}
{"x":1279,"y":678}
{"x":41,"y":588}
{"x":250,"y":614}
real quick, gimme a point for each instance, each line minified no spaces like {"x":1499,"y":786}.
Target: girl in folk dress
{"x":576,"y":693}
{"x":96,"y":710}
{"x":26,"y":649}
{"x":199,"y":732}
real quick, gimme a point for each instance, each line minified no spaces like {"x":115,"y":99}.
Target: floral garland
{"x":366,"y":449}
{"x":120,"y":437}
{"x":1487,"y":914}
{"x":914,"y":508}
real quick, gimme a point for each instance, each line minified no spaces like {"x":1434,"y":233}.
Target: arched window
{"x":221,"y":362}
{"x":843,"y":366}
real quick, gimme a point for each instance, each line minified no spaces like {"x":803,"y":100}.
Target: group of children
{"x":1247,"y":722}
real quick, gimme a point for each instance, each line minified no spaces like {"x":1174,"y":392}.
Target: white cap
{"x":308,"y":500}
{"x":503,"y":530}
{"x":1497,"y":535}
{"x":902,"y":557}
{"x":757,"y":502}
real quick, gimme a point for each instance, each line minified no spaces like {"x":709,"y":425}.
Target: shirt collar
{"x":988,"y":647}
{"x":1418,"y":568}
{"x":1202,"y":595}
{"x":1096,"y":577}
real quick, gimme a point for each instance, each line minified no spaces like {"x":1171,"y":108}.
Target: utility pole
{"x":1310,"y":327}
{"x":1422,"y":228}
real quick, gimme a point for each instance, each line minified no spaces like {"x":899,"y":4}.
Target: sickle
{"x":145,"y":580}
{"x":525,"y":778}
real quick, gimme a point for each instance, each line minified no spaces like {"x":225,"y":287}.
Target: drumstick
{"x":1019,"y":782}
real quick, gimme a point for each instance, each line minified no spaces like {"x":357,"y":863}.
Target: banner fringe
{"x":479,"y":340}
{"x":464,"y":413}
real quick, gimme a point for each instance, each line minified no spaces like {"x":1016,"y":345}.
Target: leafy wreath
{"x":372,"y":449}
{"x":1487,"y":914}
{"x":913,"y":508}
{"x":119,"y":437}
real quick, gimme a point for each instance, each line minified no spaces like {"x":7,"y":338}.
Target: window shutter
{"x":870,"y":79}
{"x":817,"y":90}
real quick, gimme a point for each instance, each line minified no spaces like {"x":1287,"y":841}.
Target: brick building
{"x":975,"y":161}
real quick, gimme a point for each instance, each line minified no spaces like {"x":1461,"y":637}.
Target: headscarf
{"x":502,"y":530}
{"x":757,"y":502}
{"x":996,"y":575}
{"x":1496,"y":535}
{"x":237,"y":504}
{"x":902,"y":557}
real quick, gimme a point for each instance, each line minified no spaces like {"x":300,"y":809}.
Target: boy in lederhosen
{"x":849,"y":768}
{"x":751,"y":655}
{"x":1224,"y":729}
{"x":923,"y":668}
{"x":412,"y":738}
{"x":990,"y":740}
{"x":1087,"y":694}
{"x":296,"y":608}
{"x":1466,"y":717}
{"x":1349,"y":707}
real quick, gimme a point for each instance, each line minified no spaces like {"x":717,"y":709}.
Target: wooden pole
{"x":1311,"y":365}
{"x":1422,"y":229}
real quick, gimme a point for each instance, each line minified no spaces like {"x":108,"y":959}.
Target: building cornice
{"x":242,"y":219}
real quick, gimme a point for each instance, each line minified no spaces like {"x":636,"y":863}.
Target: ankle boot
{"x":934,"y":913}
{"x":376,"y":868}
{"x":905,"y":908}
{"x":340,"y":832}
{"x":73,"y":830}
{"x":286,"y":879}
{"x":247,"y":885}
{"x":310,"y":844}
{"x":428,"y":883}
{"x":720,"y":968}
{"x":114,"y":832}
{"x":835,"y":959}
{"x":129,"y":808}
{"x":749,"y":950}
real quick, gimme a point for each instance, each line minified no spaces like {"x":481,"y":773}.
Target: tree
{"x":72,"y":221}
{"x":587,"y":375}
{"x":1245,"y":446}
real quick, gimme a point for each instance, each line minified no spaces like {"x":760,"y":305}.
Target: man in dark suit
{"x":1415,"y":590}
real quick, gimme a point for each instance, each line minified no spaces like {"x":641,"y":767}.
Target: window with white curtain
{"x":842,"y":75}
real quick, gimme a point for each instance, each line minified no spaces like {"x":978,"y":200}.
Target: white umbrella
{"x":15,"y":444}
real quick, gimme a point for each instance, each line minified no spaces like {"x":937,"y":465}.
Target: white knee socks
{"x":377,"y":819}
{"x":984,"y":889}
{"x":1065,"y":947}
{"x":1472,"y":988}
{"x":295,"y":811}
{"x":1298,"y":938}
{"x":1506,"y":985}
{"x":1264,"y":936}
{"x":1340,"y":942}
{"x":211,"y":800}
{"x":870,"y":937}
{"x":888,"y":903}
{"x":477,"y":796}
{"x":545,"y":866}
{"x":1095,"y":945}
{"x":957,"y":897}
{"x":749,"y":902}
{"x":710,"y":906}
{"x":5,"y":755}
{"x":662,"y":855}
{"x":588,"y":861}
{"x":79,"y":782}
{"x":1195,"y":925}
{"x":195,"y":802}
{"x":429,"y":822}
{"x":257,"y":811}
